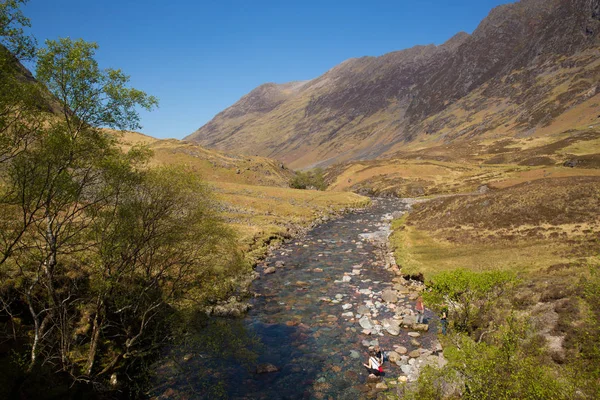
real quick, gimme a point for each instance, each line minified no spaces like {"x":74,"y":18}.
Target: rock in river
{"x":266,"y":368}
{"x":365,"y":323}
{"x":391,"y":326}
{"x":389,"y":296}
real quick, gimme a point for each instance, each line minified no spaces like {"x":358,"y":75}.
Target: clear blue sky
{"x":199,"y":57}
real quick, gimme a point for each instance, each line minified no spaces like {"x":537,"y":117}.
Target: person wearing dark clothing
{"x":444,"y":319}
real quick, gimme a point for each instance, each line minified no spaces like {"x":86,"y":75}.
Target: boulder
{"x":362,"y":309}
{"x":401,"y":350}
{"x":366,"y":323}
{"x":266,"y":368}
{"x":269,"y":270}
{"x":409,"y":320}
{"x":415,"y":354}
{"x":391,"y":326}
{"x":414,"y":334}
{"x":420,"y":327}
{"x":389,"y":296}
{"x":393,"y":356}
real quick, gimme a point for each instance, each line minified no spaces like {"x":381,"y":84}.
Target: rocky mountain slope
{"x":527,"y":65}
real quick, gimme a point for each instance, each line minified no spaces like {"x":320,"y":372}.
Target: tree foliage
{"x":97,"y":251}
{"x":506,"y":366}
{"x":471,"y":296}
{"x":313,"y":179}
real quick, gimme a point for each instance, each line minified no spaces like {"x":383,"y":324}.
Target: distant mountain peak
{"x":525,"y":64}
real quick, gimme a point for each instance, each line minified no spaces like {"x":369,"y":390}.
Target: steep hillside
{"x":527,"y":65}
{"x":211,"y":165}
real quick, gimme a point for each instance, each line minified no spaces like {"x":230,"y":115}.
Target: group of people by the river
{"x":374,"y":364}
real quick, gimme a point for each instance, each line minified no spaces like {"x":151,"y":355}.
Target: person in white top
{"x":374,"y":365}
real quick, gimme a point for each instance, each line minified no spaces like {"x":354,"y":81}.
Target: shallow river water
{"x":304,"y":321}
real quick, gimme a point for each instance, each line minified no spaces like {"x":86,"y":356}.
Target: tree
{"x":313,"y":179}
{"x":12,"y":30}
{"x":472,"y":296}
{"x":59,"y":179}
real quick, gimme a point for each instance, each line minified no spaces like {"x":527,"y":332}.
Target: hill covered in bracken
{"x":529,"y":70}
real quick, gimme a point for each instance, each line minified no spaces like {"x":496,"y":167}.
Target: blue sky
{"x":199,"y":57}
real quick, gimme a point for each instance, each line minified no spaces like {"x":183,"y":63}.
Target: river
{"x":313,"y":320}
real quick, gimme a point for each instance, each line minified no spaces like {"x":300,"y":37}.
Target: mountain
{"x":527,"y":67}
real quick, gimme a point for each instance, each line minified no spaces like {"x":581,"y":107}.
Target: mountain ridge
{"x":370,"y":107}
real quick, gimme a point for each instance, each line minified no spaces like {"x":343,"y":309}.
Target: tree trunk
{"x":95,"y":338}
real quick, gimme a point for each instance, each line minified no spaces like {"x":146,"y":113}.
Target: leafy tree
{"x":12,"y":30}
{"x":472,"y":296}
{"x":313,"y":179}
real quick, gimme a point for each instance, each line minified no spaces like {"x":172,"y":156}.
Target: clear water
{"x":312,"y":344}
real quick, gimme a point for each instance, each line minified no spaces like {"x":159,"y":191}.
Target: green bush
{"x":473,"y":297}
{"x":313,"y":179}
{"x":508,"y":366}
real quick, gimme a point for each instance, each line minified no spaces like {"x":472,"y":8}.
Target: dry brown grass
{"x":527,"y":228}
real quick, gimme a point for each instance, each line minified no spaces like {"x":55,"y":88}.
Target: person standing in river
{"x":420,"y":310}
{"x":374,"y":365}
{"x":444,"y":318}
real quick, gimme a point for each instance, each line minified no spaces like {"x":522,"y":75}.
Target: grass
{"x":527,"y":228}
{"x":264,"y":214}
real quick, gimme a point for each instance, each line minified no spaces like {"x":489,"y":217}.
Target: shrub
{"x":309,"y":180}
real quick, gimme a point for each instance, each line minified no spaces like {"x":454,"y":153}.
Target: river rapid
{"x":330,"y":297}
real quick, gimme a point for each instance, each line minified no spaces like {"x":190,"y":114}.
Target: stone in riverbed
{"x":318,"y":270}
{"x":354,"y":354}
{"x":366,"y":323}
{"x":391,"y":326}
{"x":401,"y":288}
{"x":409,"y":320}
{"x":269,"y":270}
{"x":400,"y":349}
{"x":266,"y":368}
{"x":421,"y":327}
{"x":389,"y":296}
{"x":415,"y":353}
{"x":381,"y":386}
{"x":347,"y":306}
{"x":393,"y":356}
{"x":362,"y":309}
{"x":279,"y":264}
{"x":348,"y":314}
{"x":414,"y":334}
{"x":346,"y":278}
